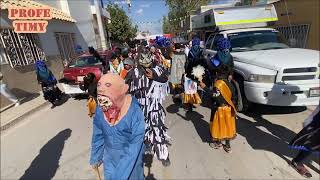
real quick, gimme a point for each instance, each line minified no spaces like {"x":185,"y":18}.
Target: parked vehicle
{"x":267,"y":70}
{"x":76,"y":70}
{"x":82,"y":65}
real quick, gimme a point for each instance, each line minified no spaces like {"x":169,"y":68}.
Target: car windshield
{"x":85,"y":61}
{"x":256,"y":40}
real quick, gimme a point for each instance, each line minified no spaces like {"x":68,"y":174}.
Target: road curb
{"x":19,"y":119}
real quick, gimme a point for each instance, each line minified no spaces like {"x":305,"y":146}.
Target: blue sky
{"x":147,"y":14}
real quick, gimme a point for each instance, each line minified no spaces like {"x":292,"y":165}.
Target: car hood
{"x":277,"y":59}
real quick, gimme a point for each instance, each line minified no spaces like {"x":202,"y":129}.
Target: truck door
{"x":211,"y":49}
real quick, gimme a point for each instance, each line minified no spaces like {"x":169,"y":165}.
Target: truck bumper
{"x":281,"y":95}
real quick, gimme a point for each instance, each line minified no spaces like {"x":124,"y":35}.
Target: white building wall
{"x":81,"y":12}
{"x":48,"y":40}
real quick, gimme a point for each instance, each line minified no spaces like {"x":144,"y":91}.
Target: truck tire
{"x":239,"y":104}
{"x":242,"y":100}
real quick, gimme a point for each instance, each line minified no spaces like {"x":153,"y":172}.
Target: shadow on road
{"x":24,"y":95}
{"x":201,"y":126}
{"x":173,"y":108}
{"x":45,"y":165}
{"x":276,"y":142}
{"x":148,"y":159}
{"x":269,"y":110}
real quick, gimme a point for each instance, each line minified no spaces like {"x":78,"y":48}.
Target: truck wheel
{"x":242,"y":99}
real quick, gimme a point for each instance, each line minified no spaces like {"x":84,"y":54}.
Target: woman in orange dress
{"x":223,"y":114}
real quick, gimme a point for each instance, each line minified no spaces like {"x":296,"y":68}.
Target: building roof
{"x":56,"y":13}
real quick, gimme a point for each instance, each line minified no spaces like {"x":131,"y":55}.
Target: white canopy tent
{"x":140,"y":37}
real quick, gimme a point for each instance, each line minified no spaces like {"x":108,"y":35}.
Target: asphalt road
{"x":55,"y":143}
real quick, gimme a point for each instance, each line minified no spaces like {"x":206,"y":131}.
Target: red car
{"x":86,"y":63}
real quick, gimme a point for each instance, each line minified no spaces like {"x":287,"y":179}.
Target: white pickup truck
{"x":268,"y":70}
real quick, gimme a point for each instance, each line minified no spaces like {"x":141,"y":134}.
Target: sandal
{"x":215,"y":145}
{"x":227,"y":149}
{"x":303,"y":171}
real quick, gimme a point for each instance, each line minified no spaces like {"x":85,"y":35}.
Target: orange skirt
{"x":191,"y":98}
{"x":223,"y":126}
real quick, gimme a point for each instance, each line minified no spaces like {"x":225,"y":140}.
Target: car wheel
{"x":244,"y":105}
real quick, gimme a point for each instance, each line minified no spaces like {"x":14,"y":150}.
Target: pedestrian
{"x":148,"y":82}
{"x":222,"y":64}
{"x":48,"y":83}
{"x":223,"y":111}
{"x":177,"y":71}
{"x":187,"y":48}
{"x":78,"y":49}
{"x":118,"y":131}
{"x":307,"y":141}
{"x":95,"y":53}
{"x":195,"y":58}
{"x":128,"y":64}
{"x":223,"y":114}
{"x":90,"y":85}
{"x":116,"y":66}
{"x":7,"y":93}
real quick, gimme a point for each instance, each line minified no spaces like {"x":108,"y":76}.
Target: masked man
{"x":118,"y":131}
{"x":148,"y":82}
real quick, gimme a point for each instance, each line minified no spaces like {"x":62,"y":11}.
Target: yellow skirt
{"x":223,"y":126}
{"x":191,"y":98}
{"x":91,"y":104}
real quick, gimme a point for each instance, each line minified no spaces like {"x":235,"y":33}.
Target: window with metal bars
{"x":297,"y":35}
{"x":20,"y":49}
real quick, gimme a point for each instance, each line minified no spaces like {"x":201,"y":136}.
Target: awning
{"x":56,"y":13}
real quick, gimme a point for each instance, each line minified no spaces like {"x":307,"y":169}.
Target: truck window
{"x":216,"y":38}
{"x":209,"y":42}
{"x":257,"y":40}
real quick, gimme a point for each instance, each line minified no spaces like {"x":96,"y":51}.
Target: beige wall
{"x":303,"y":12}
{"x":22,"y":81}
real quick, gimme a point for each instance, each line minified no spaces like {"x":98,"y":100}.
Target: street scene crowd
{"x":190,"y":101}
{"x":126,"y":103}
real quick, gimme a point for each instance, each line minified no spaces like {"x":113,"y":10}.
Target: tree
{"x":121,"y":27}
{"x":178,"y":10}
{"x":166,"y":27}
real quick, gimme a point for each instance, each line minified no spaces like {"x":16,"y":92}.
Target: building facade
{"x":74,"y":23}
{"x":299,"y":22}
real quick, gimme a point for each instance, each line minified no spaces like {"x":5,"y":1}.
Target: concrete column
{"x":100,"y":26}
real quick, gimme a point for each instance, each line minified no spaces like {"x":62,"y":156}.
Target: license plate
{"x":80,"y":78}
{"x":314,"y":92}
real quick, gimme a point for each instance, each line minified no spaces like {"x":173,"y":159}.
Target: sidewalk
{"x":14,"y":115}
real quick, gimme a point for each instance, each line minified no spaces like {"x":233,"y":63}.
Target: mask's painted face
{"x":111,"y":96}
{"x":145,"y":60}
{"x":109,"y":108}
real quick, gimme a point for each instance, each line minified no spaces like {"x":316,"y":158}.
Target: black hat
{"x":113,"y":56}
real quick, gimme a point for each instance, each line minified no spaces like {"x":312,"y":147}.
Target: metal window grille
{"x":297,"y":35}
{"x":66,"y":45}
{"x":21,"y":49}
